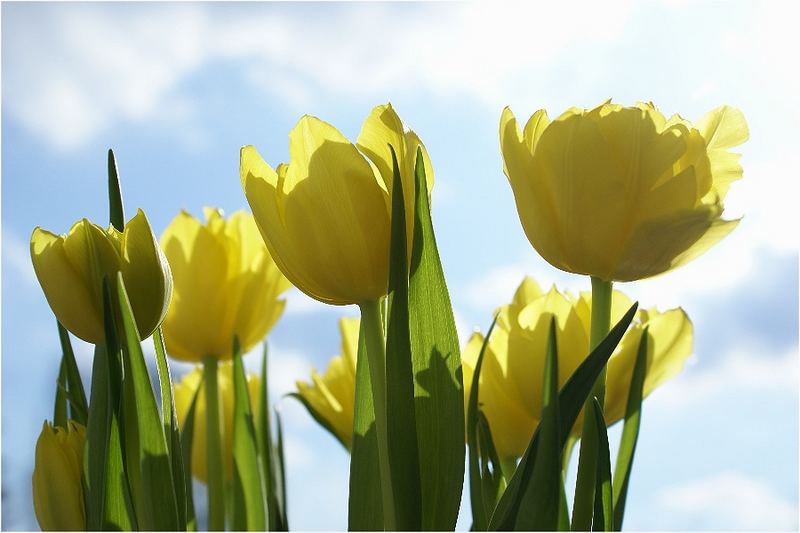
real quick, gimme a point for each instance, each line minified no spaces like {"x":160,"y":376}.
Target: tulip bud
{"x":57,"y":492}
{"x":71,"y":268}
{"x":226,"y":284}
{"x":622,"y":193}
{"x":326,"y":216}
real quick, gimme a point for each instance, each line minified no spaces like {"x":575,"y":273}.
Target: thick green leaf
{"x":116,"y":212}
{"x":248,"y":498}
{"x":436,"y":361}
{"x":78,"y":406}
{"x":187,"y":442}
{"x":400,"y":411}
{"x":630,"y":432}
{"x":171,"y":431}
{"x":60,"y":415}
{"x":365,"y":504}
{"x":570,"y":401}
{"x":541,"y":499}
{"x":603,"y":519}
{"x":147,"y":461}
{"x":480,"y":511}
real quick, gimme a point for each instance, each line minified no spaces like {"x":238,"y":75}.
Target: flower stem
{"x":376,"y":355}
{"x":583,"y":506}
{"x":216,"y":481}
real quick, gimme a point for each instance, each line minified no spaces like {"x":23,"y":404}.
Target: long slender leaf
{"x":492,"y":480}
{"x":147,"y":459}
{"x":436,"y":362}
{"x":279,"y":466}
{"x":400,"y":411}
{"x":248,"y":498}
{"x":542,"y":498}
{"x":603,"y":519}
{"x":570,"y":401}
{"x":171,"y":431}
{"x":365,"y":504}
{"x":116,"y":212}
{"x":187,"y":443}
{"x":630,"y":432}
{"x":480,"y":512}
{"x":60,"y":416}
{"x":78,"y":406}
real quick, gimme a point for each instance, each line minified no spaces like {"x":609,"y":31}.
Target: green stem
{"x":583,"y":506}
{"x":376,"y":355}
{"x":216,"y":480}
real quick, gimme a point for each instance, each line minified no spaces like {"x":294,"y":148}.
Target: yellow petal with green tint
{"x":146,"y":273}
{"x":57,"y":494}
{"x":723,"y":128}
{"x":65,"y":289}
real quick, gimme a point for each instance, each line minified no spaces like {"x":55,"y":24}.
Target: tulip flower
{"x":622,"y":193}
{"x":330,"y":398}
{"x":185,"y":390}
{"x":326,"y":216}
{"x":512,"y":372}
{"x":71,"y":268}
{"x":225,"y":284}
{"x":57,"y":492}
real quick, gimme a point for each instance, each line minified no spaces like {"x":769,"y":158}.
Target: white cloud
{"x":17,"y":257}
{"x":730,"y":501}
{"x":298,"y":303}
{"x":745,"y":370}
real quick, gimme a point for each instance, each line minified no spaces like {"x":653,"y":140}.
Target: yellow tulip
{"x":512,"y":373}
{"x":331,"y":397}
{"x":622,"y":193}
{"x":226,"y":285}
{"x":71,"y":268}
{"x":185,"y":390}
{"x":57,"y":492}
{"x":326,"y":215}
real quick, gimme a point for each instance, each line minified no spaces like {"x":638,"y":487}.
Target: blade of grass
{"x":116,"y":211}
{"x":630,"y":432}
{"x":603,"y":519}
{"x":570,"y":402}
{"x":436,"y":362}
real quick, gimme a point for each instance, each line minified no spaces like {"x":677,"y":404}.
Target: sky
{"x":177,"y":89}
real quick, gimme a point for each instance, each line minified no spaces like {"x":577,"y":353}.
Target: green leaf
{"x":187,"y":443}
{"x":116,"y":212}
{"x":542,"y":497}
{"x":492,"y":480}
{"x":171,"y":430}
{"x":630,"y":432}
{"x":436,"y":362}
{"x":365,"y":504}
{"x":279,"y":465}
{"x":248,"y":498}
{"x":603,"y":519}
{"x":78,"y":406}
{"x":570,"y":402}
{"x":60,"y":416}
{"x":478,"y":499}
{"x":147,"y":461}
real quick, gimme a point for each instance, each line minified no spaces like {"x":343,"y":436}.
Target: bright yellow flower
{"x":71,"y":268}
{"x":226,"y":284}
{"x":326,"y":215}
{"x":622,"y":193}
{"x":185,"y":390}
{"x":57,"y":492}
{"x":512,"y":373}
{"x":331,"y":397}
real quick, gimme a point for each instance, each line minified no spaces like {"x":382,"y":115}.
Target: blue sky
{"x":177,"y":89}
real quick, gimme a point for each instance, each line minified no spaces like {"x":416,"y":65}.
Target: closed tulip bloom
{"x":330,"y":398}
{"x":225,"y":284}
{"x":510,"y":387}
{"x":71,"y":268}
{"x":185,"y":390}
{"x":622,"y":193}
{"x":326,"y":215}
{"x":57,"y":492}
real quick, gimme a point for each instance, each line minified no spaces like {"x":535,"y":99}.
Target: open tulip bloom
{"x":616,"y":193}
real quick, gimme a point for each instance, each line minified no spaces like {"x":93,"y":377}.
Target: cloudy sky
{"x":176,"y":89}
